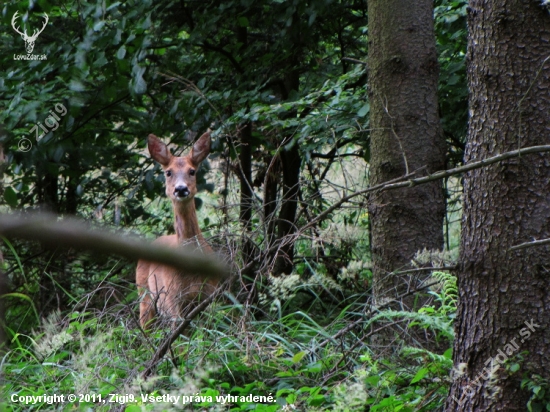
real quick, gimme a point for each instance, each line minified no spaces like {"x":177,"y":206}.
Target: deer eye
{"x":168,"y":173}
{"x":192,"y":172}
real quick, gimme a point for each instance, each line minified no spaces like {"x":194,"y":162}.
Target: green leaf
{"x":100,"y":61}
{"x":113,"y":6}
{"x":514,"y":367}
{"x":121,"y":53}
{"x":76,"y":86}
{"x":419,"y":375}
{"x":23,"y":297}
{"x":99,"y":25}
{"x":243,"y":21}
{"x":10,"y":196}
{"x":139,"y":85}
{"x":312,"y":18}
{"x":298,"y":357}
{"x":147,"y":23}
{"x":363,"y":110}
{"x":316,"y":400}
{"x":118,"y":37}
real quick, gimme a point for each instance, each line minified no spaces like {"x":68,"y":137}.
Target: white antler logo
{"x":29,"y":40}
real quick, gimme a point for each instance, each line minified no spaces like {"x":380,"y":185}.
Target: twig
{"x":161,"y":351}
{"x":470,"y":166}
{"x":405,"y":181}
{"x":530,"y":244}
{"x":351,"y":59}
{"x":359,"y":341}
{"x":408,"y":181}
{"x":403,"y":272}
{"x":347,"y":198}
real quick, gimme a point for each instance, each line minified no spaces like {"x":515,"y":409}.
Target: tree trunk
{"x":3,"y":291}
{"x":245,"y":168}
{"x":503,"y":294}
{"x":245,"y":177}
{"x":271,"y":189}
{"x":47,"y":188}
{"x":291,"y":163}
{"x":405,"y":138}
{"x":3,"y":276}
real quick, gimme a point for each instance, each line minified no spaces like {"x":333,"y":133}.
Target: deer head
{"x":181,"y":185}
{"x":29,"y":40}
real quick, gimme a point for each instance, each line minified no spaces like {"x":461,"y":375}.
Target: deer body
{"x":163,"y":289}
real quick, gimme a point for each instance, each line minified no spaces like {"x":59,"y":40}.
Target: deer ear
{"x":201,"y":148}
{"x":158,"y":150}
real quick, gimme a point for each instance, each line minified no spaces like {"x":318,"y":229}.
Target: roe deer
{"x":163,"y":289}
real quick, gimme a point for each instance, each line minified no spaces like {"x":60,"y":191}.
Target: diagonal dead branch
{"x":407,"y":181}
{"x":167,"y":344}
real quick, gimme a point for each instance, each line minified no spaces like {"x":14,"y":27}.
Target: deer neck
{"x":186,"y":222}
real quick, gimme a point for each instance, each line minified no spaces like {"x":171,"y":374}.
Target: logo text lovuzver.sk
{"x":29,"y":40}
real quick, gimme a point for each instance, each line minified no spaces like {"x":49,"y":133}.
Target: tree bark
{"x":291,"y":164}
{"x":271,"y":188}
{"x":405,"y":137}
{"x":245,"y":177}
{"x":503,"y":294}
{"x":47,"y":188}
{"x":290,"y":161}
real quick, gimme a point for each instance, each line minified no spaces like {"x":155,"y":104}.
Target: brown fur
{"x":163,"y":289}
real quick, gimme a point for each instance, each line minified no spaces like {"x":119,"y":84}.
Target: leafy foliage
{"x":292,"y":358}
{"x":295,"y":72}
{"x":450,"y":26}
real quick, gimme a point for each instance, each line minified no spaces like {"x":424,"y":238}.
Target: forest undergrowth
{"x":306,"y":341}
{"x":307,"y":345}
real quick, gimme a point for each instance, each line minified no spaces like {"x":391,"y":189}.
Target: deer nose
{"x":181,"y":191}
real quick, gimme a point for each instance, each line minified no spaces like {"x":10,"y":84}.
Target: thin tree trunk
{"x":291,"y":164}
{"x":503,"y":295}
{"x":405,"y":137}
{"x":3,"y":291}
{"x":3,"y":276}
{"x":271,"y":188}
{"x":47,"y":187}
{"x":245,"y":176}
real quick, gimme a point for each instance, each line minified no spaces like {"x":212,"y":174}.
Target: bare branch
{"x":426,"y":269}
{"x":406,"y":181}
{"x":470,"y":166}
{"x":351,"y":59}
{"x":72,"y":233}
{"x":534,"y":243}
{"x":161,"y":351}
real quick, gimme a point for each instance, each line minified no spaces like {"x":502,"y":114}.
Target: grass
{"x":310,"y":344}
{"x":294,"y":360}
